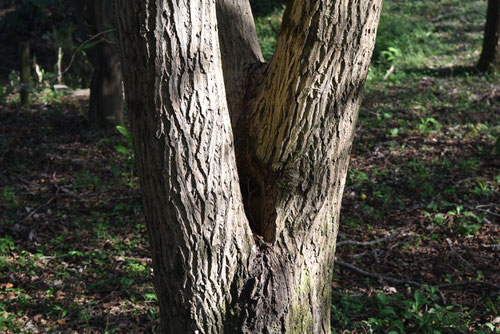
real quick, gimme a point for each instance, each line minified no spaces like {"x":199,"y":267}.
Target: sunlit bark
{"x":242,"y":164}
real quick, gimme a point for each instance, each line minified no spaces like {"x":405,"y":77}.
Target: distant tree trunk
{"x":106,"y":93}
{"x":25,"y":73}
{"x":243,"y":230}
{"x":490,"y":56}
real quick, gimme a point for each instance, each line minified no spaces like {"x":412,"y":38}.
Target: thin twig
{"x":448,"y":241}
{"x":415,"y":207}
{"x":470,"y":207}
{"x":373,"y":242}
{"x":486,"y":205}
{"x":26,"y":181}
{"x":365,"y":243}
{"x":377,"y":276}
{"x":54,"y":183}
{"x":41,"y":206}
{"x":452,"y":285}
{"x":409,"y":282}
{"x":389,"y":72}
{"x":80,"y":48}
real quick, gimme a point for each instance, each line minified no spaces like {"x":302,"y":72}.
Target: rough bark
{"x":106,"y":94}
{"x":490,"y":56}
{"x":255,"y":258}
{"x":240,"y":52}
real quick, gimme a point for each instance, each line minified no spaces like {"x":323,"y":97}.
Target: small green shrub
{"x":128,"y":152}
{"x":395,"y":313}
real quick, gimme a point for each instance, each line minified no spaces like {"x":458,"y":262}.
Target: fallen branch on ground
{"x":373,"y":242}
{"x":477,"y":208}
{"x":409,"y":282}
{"x":32,"y":212}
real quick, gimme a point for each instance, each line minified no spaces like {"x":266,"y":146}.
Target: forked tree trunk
{"x":242,"y":164}
{"x":106,"y":94}
{"x":490,"y":56}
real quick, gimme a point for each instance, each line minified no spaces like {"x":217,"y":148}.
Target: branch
{"x":456,"y":252}
{"x":478,"y":209}
{"x":41,"y":206}
{"x":389,"y":72}
{"x":80,"y":48}
{"x":409,"y":282}
{"x":365,"y":243}
{"x":240,"y":50}
{"x":377,"y":276}
{"x":373,"y":242}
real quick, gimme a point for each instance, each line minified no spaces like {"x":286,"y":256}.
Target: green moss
{"x":300,"y":319}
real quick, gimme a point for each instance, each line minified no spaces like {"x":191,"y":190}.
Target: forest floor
{"x":421,"y":205}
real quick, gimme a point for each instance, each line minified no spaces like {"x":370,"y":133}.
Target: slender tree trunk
{"x":106,"y":95}
{"x":242,"y":164}
{"x":490,"y":56}
{"x":25,"y":73}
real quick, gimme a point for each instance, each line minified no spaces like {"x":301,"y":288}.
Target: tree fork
{"x":214,"y":127}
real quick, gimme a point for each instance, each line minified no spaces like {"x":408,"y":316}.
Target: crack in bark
{"x":262,"y":301}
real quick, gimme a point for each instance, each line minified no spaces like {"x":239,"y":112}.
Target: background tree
{"x":490,"y":56}
{"x":106,"y":95}
{"x":243,"y":231}
{"x":49,"y":27}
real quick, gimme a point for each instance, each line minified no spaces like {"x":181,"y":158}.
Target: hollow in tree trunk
{"x":241,"y":163}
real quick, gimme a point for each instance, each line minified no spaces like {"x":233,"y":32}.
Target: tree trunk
{"x":25,"y":74}
{"x":106,"y":94}
{"x":242,"y":164}
{"x":490,"y":57}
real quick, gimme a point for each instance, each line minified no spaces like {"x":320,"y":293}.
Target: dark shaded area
{"x":65,"y":206}
{"x":47,"y":25}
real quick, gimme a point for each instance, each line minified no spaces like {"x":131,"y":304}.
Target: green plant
{"x":5,"y":91}
{"x":9,"y":321}
{"x":428,"y":125}
{"x":496,"y":147}
{"x":267,"y":27}
{"x":49,"y":96}
{"x":467,"y":222}
{"x":128,"y":152}
{"x":135,"y":269}
{"x":85,"y":180}
{"x":437,"y":219}
{"x":393,"y":313}
{"x":6,"y":245}
{"x":391,"y":55}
